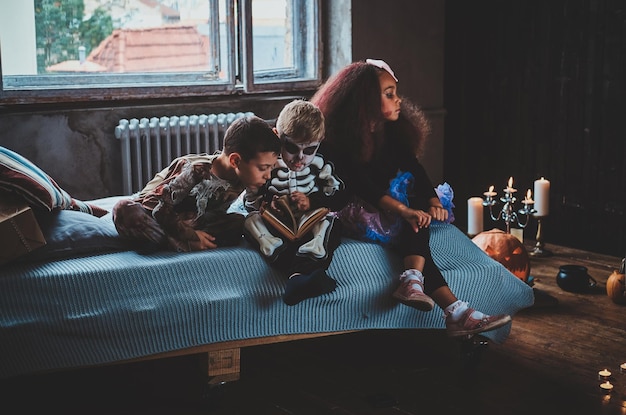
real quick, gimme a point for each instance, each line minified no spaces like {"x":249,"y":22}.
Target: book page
{"x":313,"y":215}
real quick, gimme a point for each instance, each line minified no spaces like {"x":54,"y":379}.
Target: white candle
{"x":542,"y":197}
{"x":528,"y":200}
{"x":622,"y":368}
{"x":490,"y":193}
{"x":509,"y":188}
{"x":604,"y":374}
{"x":474,"y":216}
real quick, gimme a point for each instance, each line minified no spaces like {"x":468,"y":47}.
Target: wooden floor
{"x":549,"y":365}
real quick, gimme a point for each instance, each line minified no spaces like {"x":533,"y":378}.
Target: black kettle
{"x":575,"y":278}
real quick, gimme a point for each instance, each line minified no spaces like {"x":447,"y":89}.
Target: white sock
{"x":416,"y":275}
{"x":457,"y":308}
{"x":478,"y":315}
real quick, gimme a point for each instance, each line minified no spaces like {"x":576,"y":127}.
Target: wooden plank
{"x":224,"y":365}
{"x":228,"y":345}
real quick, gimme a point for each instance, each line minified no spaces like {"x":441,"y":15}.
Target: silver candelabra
{"x":508,"y":213}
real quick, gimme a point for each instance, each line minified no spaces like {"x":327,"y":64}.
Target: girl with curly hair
{"x":374,"y":139}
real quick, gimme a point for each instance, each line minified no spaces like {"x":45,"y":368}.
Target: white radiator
{"x":149,"y":145}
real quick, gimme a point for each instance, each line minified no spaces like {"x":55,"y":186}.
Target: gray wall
{"x":409,"y":36}
{"x":77,"y":146}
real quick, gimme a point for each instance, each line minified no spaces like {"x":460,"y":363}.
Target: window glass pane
{"x":100,"y":38}
{"x":66,"y":50}
{"x":285,"y":40}
{"x":272,"y":41}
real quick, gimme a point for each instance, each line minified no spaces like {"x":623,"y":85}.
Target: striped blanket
{"x":115,"y":306}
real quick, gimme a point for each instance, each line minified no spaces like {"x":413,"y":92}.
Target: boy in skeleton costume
{"x":310,"y":183}
{"x":184,"y":207}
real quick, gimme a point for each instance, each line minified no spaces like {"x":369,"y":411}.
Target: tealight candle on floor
{"x":607,"y":386}
{"x":622,"y":368}
{"x":604,"y":374}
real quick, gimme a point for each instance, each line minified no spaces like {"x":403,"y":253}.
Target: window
{"x":78,"y":50}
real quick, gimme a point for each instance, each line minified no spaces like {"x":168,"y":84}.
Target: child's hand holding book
{"x":281,"y":216}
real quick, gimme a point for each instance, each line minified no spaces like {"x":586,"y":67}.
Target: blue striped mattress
{"x":111,"y":307}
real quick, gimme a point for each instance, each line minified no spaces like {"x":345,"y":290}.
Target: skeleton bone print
{"x":286,"y":181}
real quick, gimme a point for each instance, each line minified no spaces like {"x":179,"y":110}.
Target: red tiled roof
{"x":76,"y":66}
{"x":162,"y":49}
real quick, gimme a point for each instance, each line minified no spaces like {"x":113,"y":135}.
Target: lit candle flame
{"x":529,"y":195}
{"x":491,"y":189}
{"x":510,"y":181}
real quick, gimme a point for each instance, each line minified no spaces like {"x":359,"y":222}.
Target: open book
{"x":284,"y":219}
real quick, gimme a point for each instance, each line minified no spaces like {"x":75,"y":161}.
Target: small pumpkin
{"x":615,"y":288}
{"x":507,"y":250}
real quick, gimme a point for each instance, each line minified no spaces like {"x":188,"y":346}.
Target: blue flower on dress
{"x":446,"y":194}
{"x":400,"y":185}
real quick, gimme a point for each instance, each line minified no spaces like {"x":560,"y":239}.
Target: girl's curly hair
{"x":412,"y":126}
{"x":351,"y":103}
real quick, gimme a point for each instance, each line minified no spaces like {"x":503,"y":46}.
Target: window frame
{"x":275,"y":81}
{"x":241,"y":78}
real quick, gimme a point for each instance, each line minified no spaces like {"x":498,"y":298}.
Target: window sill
{"x":36,"y":101}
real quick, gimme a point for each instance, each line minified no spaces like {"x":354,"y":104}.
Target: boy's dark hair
{"x":249,"y":136}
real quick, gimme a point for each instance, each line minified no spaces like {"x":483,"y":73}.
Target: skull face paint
{"x":297,"y":156}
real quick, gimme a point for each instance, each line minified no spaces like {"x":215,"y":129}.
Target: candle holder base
{"x":540,"y":252}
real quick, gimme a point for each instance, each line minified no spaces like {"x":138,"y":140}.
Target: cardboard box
{"x":19,"y":230}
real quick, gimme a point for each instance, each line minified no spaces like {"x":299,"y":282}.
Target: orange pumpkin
{"x":507,"y":250}
{"x":615,"y":288}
